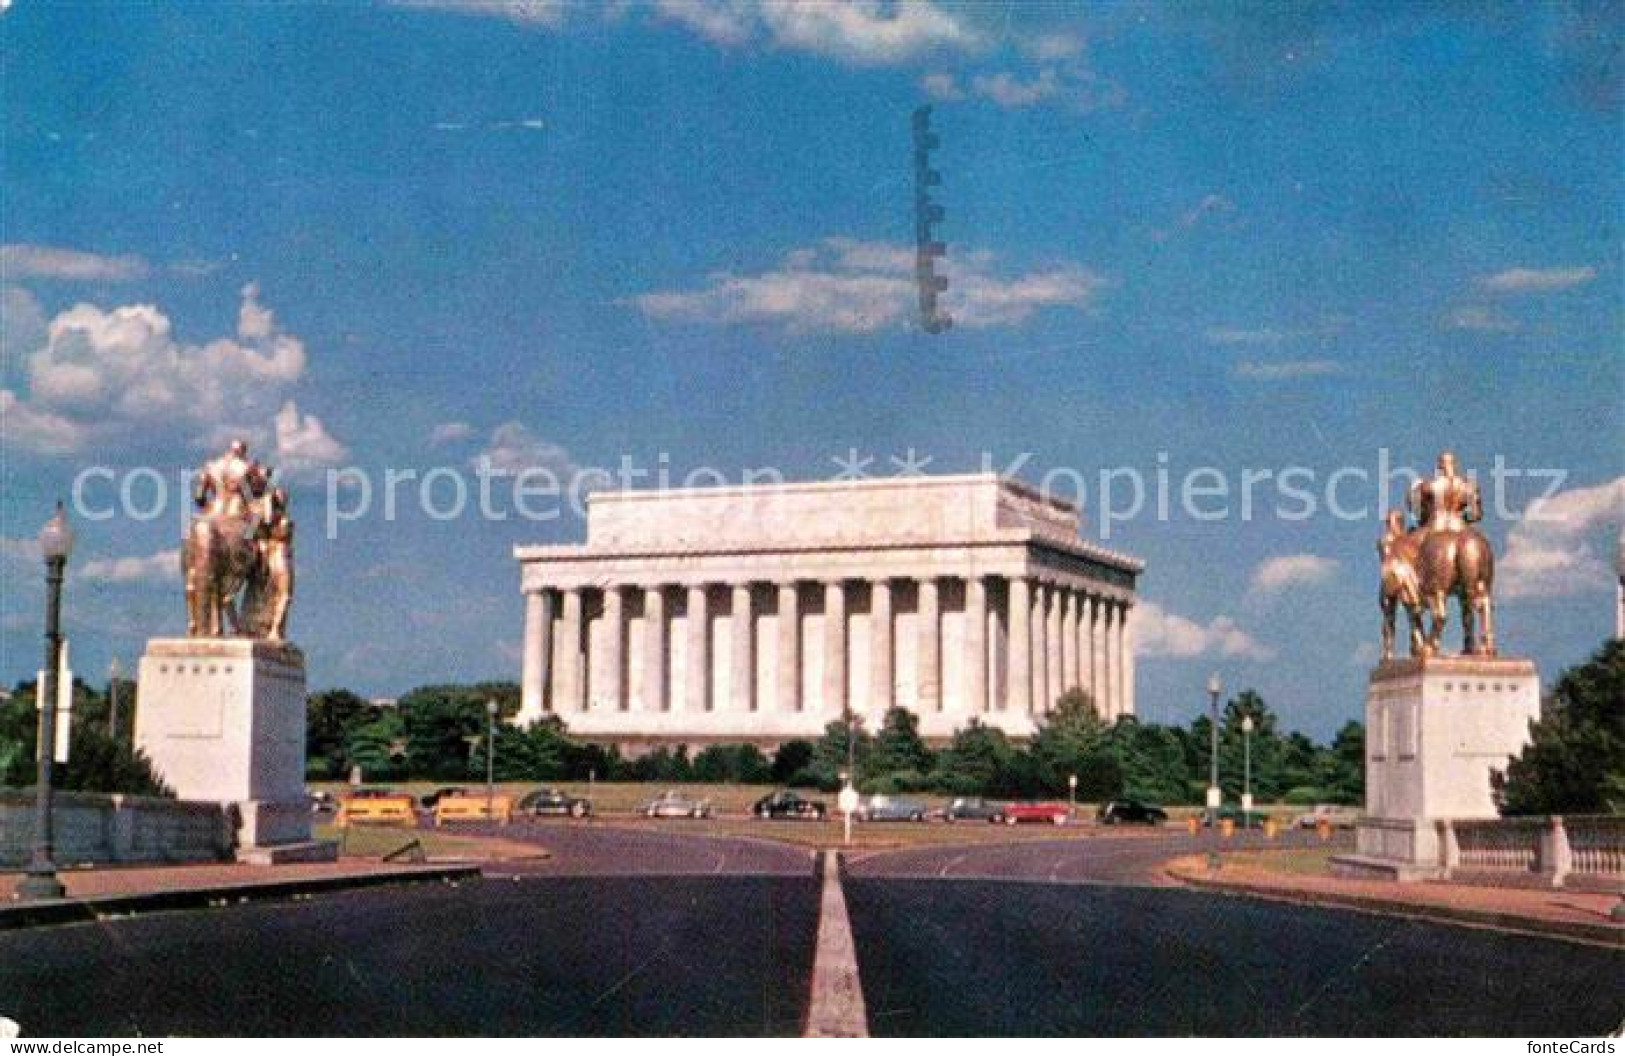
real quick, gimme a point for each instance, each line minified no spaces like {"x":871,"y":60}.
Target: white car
{"x":674,"y":804}
{"x":1338,"y":817}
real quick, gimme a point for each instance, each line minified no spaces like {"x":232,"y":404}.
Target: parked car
{"x":552,"y":801}
{"x":973,"y":808}
{"x":788,"y":804}
{"x":1130,"y":812}
{"x":674,"y":804}
{"x":370,"y":793}
{"x":890,"y":808}
{"x":323,"y":803}
{"x":428,"y":802}
{"x":1339,"y":817}
{"x":1233,"y":813}
{"x":1054,"y":813}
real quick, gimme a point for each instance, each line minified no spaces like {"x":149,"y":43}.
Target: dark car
{"x":1232,"y":813}
{"x":787,"y":804}
{"x":428,"y":802}
{"x":973,"y":808}
{"x":1130,"y":812}
{"x":552,"y":801}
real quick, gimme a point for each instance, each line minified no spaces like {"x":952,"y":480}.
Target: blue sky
{"x":556,"y":234}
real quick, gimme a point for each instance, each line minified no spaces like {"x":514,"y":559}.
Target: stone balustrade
{"x":1584,"y":851}
{"x":93,"y":829}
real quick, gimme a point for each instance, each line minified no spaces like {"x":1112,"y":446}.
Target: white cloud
{"x":1049,"y":47}
{"x":547,"y":14}
{"x":108,"y":377}
{"x":1551,"y":551}
{"x":20,"y":551}
{"x":722,"y":22}
{"x":304,"y":447}
{"x":450,"y":433}
{"x":162,"y":567}
{"x":1536,"y":280}
{"x":24,"y":261}
{"x":847,"y":286}
{"x":1011,"y":92}
{"x":27,"y":428}
{"x":861,"y":32}
{"x":22,"y":324}
{"x":1158,"y":632}
{"x":1287,"y":370}
{"x":942,"y":87}
{"x":1292,"y":570}
{"x":864,"y":31}
{"x":1481,"y":319}
{"x":513,"y":449}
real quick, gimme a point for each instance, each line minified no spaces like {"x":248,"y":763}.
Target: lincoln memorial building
{"x":760,"y":613}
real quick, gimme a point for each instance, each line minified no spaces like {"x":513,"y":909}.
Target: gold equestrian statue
{"x":1444,"y":556}
{"x":237,"y":557}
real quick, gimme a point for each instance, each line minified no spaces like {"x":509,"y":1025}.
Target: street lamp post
{"x":1072,"y":791}
{"x":1214,"y":688}
{"x":490,"y":759}
{"x":112,"y":699}
{"x":1247,"y":772}
{"x":56,"y":544}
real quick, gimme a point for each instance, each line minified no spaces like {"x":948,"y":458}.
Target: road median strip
{"x":835,"y":1008}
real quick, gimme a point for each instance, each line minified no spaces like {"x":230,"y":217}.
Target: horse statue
{"x":1400,"y":585}
{"x":1444,"y":557}
{"x":237,"y":556}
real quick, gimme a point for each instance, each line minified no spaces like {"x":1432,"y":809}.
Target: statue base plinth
{"x":1435,"y":729}
{"x":223,"y":720}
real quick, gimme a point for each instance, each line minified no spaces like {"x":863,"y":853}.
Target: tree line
{"x":1574,"y":763}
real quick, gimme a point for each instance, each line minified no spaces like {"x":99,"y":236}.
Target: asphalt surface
{"x":640,"y":932}
{"x":945,"y":957}
{"x":1116,"y":857}
{"x":601,"y":956}
{"x":596,"y":849}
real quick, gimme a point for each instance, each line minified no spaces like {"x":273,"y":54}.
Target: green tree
{"x":445,"y":727}
{"x":1072,"y":740}
{"x":378,"y":747}
{"x":980,"y":760}
{"x":898,"y":747}
{"x":1151,"y":759}
{"x":96,"y":762}
{"x":1574,"y":762}
{"x":330,"y":718}
{"x":830,"y":754}
{"x":742,"y":764}
{"x":790,"y":760}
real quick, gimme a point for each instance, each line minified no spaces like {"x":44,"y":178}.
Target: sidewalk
{"x":99,"y":892}
{"x":1577,"y":915}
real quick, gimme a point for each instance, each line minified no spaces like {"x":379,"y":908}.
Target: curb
{"x":96,"y":907}
{"x":835,"y":1006}
{"x":1567,"y":930}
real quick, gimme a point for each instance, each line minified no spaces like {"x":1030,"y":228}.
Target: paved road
{"x":621,"y":955}
{"x":597,"y":849}
{"x":977,"y":957}
{"x":1133,"y":857}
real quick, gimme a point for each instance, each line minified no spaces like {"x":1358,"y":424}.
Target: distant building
{"x":761,"y":612}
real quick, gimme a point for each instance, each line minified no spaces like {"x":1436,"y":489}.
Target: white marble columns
{"x":1003,"y":649}
{"x":789,"y":649}
{"x":834,"y":647}
{"x":536,"y":660}
{"x":697,"y":683}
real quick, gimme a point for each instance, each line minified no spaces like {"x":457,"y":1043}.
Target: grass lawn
{"x":375,"y":841}
{"x":1295,"y":861}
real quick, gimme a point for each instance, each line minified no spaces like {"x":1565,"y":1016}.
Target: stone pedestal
{"x":1435,"y":728}
{"x":223,"y":720}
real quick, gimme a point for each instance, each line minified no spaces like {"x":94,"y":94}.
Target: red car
{"x":1054,"y":813}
